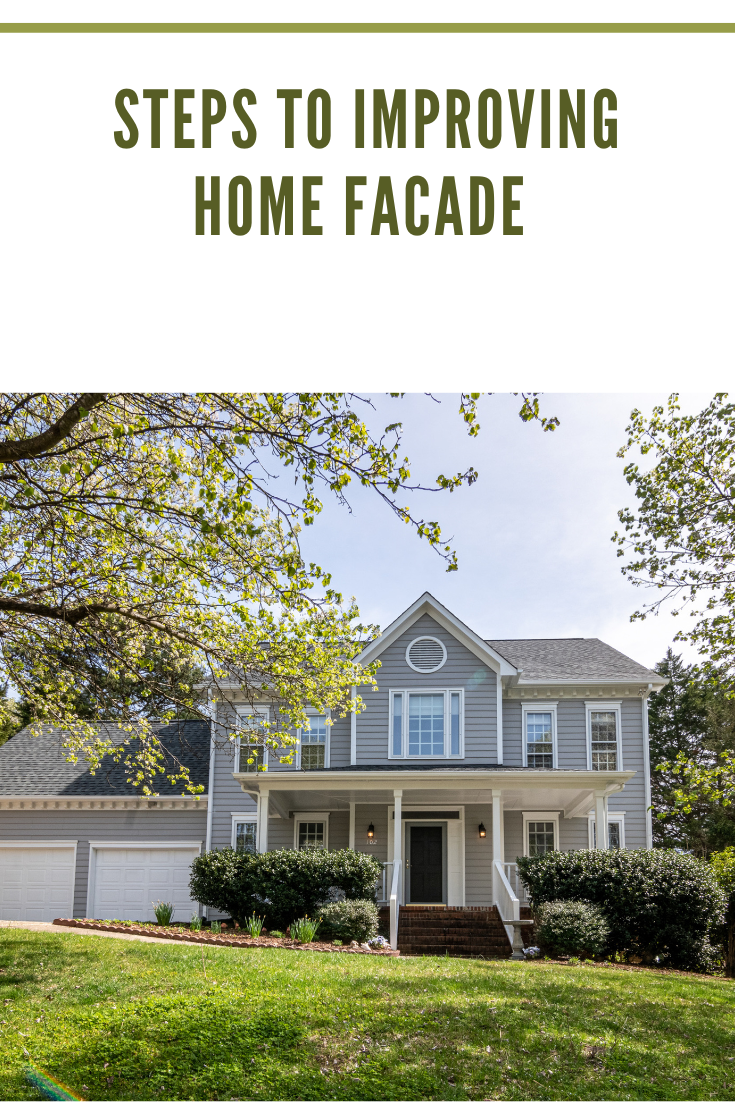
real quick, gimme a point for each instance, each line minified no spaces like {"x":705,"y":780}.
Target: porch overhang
{"x":570,"y":791}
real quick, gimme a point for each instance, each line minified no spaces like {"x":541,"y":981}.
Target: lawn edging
{"x":235,"y":941}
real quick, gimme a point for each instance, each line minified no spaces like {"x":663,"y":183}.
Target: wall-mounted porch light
{"x":371,"y":831}
{"x":481,"y":830}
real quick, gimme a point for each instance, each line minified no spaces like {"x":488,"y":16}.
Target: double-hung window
{"x":311,"y":831}
{"x":249,"y":756}
{"x":245,"y":835}
{"x":541,"y":832}
{"x":315,"y":744}
{"x":427,"y":724}
{"x":603,"y":735}
{"x":539,"y":736}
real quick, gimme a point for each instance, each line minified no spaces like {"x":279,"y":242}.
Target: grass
{"x":127,"y":1020}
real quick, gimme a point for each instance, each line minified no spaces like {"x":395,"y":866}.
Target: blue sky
{"x":532,"y":535}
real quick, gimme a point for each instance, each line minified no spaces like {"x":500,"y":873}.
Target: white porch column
{"x":498,"y":840}
{"x":397,"y":823}
{"x":351,"y":839}
{"x":262,"y":840}
{"x":600,"y":821}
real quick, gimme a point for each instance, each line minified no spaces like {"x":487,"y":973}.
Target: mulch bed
{"x":237,"y":941}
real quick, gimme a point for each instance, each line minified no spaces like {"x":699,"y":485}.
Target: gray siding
{"x":84,"y":827}
{"x":462,"y":670}
{"x":632,"y":800}
{"x":478,"y":856}
{"x":512,"y":734}
{"x":226,"y":795}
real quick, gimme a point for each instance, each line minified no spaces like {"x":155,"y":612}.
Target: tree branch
{"x":13,"y":450}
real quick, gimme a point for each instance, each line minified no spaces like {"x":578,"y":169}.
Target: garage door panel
{"x":129,"y":881}
{"x":36,"y":882}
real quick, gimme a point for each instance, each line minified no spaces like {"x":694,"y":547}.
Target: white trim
{"x":499,"y":719}
{"x":94,"y":846}
{"x":353,"y":729}
{"x":612,"y":817}
{"x":327,"y":744}
{"x":647,"y":770}
{"x":426,"y":691}
{"x":605,"y":706}
{"x":71,"y":844}
{"x":540,"y":817}
{"x":210,"y":779}
{"x":250,"y":710}
{"x":545,"y":706}
{"x":419,"y":639}
{"x":104,"y":803}
{"x":446,"y":619}
{"x":310,"y":817}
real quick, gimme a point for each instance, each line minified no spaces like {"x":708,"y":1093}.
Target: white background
{"x":621,"y":281}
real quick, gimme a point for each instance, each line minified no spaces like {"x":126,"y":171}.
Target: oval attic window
{"x":426,"y":654}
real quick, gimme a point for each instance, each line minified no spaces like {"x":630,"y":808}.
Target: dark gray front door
{"x":426,"y":864}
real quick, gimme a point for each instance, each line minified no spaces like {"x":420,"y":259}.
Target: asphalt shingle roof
{"x":37,"y":766}
{"x":569,"y":659}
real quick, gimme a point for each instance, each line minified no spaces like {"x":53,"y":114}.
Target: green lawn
{"x":115,"y":1019}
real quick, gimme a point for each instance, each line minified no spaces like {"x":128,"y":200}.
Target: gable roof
{"x":429,"y":604}
{"x":31,"y":766}
{"x":571,"y":660}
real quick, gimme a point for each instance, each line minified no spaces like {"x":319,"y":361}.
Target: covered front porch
{"x":459,"y":829}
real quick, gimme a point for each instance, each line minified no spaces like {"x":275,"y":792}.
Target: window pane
{"x":312,"y":757}
{"x":246,"y":837}
{"x":250,"y":757}
{"x":311,"y":835}
{"x":613,"y":833}
{"x":398,"y":724}
{"x":454,"y":718}
{"x":539,"y":740}
{"x":425,"y":724}
{"x":540,"y":838}
{"x":604,"y":741}
{"x":317,"y":733}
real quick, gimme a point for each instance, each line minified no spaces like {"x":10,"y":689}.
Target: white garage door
{"x":128,"y":881}
{"x":36,"y":882}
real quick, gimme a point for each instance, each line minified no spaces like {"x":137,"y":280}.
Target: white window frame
{"x":612,"y":817}
{"x":327,"y":746}
{"x":310,"y":817}
{"x":447,"y":693}
{"x":433,"y":639}
{"x":540,"y":817}
{"x":533,"y":709}
{"x":243,"y":817}
{"x":604,"y":706}
{"x":249,"y":710}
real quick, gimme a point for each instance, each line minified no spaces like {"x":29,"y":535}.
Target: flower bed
{"x":236,"y":940}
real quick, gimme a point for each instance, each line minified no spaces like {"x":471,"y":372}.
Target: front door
{"x":426,"y":864}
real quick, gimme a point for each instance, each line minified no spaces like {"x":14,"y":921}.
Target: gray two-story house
{"x":471,"y":752}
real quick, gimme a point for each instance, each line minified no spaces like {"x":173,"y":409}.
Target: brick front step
{"x":458,"y":931}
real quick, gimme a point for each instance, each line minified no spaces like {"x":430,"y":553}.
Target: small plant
{"x":164,"y":912}
{"x":254,"y":925}
{"x":350,"y":919}
{"x":215,"y":927}
{"x":566,"y":926}
{"x":532,"y":952}
{"x":304,"y":929}
{"x":276,"y":933}
{"x":378,"y":942}
{"x":195,"y":924}
{"x":336,"y":941}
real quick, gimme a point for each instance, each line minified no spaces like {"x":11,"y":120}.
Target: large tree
{"x":681,"y":535}
{"x":135,"y":525}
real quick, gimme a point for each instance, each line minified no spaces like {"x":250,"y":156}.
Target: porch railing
{"x":384,"y":882}
{"x":506,"y":899}
{"x":511,"y":872}
{"x":394,"y":907}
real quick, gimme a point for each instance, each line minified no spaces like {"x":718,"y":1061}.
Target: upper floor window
{"x":249,"y":756}
{"x":539,"y":736}
{"x":603,"y":728}
{"x":427,"y":724}
{"x":314,"y":752}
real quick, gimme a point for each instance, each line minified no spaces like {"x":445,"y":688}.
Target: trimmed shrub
{"x":657,"y":903}
{"x":349,"y":919}
{"x":567,"y":927}
{"x":281,"y":885}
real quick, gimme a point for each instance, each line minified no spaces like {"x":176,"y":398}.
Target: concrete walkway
{"x":49,"y":928}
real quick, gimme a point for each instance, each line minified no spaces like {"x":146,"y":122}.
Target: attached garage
{"x":126,"y":879}
{"x":37,"y":880}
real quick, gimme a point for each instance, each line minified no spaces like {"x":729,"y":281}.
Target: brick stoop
{"x":456,"y":931}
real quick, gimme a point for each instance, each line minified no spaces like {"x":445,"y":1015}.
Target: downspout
{"x":210,"y":785}
{"x":647,"y":768}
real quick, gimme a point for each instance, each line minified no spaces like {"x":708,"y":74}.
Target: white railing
{"x":511,"y":872}
{"x":394,"y":907}
{"x":384,"y":882}
{"x":506,"y":900}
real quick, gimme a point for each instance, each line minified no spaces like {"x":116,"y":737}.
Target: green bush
{"x":657,"y":903}
{"x":281,"y":885}
{"x":349,"y":919}
{"x":567,"y":927}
